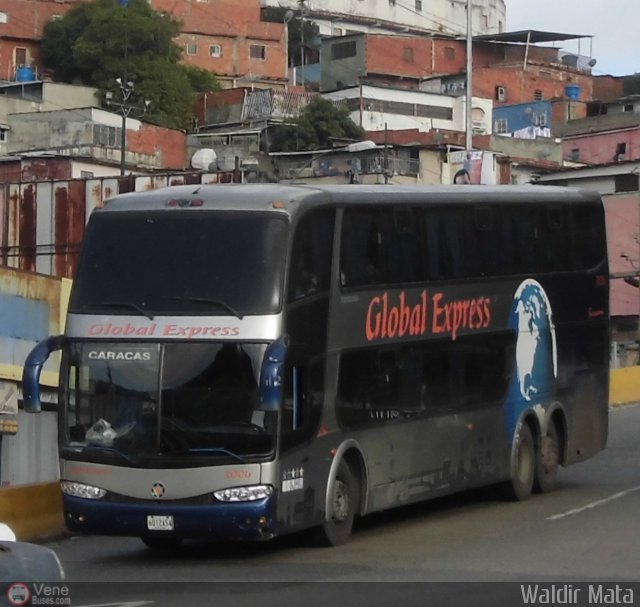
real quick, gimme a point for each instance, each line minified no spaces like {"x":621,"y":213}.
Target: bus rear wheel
{"x":523,"y":466}
{"x":547,"y":460}
{"x":337,"y":526}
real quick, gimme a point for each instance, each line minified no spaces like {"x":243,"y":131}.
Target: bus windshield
{"x":143,"y":403}
{"x":206,"y":263}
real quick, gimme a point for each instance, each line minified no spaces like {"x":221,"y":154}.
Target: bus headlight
{"x":81,"y":490}
{"x":244,"y":494}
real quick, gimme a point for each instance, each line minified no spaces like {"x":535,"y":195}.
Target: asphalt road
{"x":582,"y":539}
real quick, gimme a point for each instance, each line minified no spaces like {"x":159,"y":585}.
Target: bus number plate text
{"x":160,"y":523}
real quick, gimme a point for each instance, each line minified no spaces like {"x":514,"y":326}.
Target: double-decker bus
{"x":245,"y":361}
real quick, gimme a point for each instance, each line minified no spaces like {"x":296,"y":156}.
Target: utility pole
{"x":469,"y":84}
{"x":304,"y":11}
{"x":125,"y":108}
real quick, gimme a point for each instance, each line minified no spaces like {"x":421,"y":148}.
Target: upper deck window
{"x":183,"y":262}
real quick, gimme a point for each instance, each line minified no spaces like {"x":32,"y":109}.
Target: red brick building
{"x":223,"y":36}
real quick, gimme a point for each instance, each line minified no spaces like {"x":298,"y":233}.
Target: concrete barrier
{"x":34,"y":512}
{"x":624,"y":386}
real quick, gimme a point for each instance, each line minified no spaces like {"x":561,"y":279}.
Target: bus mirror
{"x":272,"y":375}
{"x":32,"y":369}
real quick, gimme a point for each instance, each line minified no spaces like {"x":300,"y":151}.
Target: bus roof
{"x":287,"y":197}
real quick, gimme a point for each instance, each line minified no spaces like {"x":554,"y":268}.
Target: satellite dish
{"x":203,"y":158}
{"x":592,"y":62}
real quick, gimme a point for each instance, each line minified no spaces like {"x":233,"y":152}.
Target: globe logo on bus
{"x":536,"y":356}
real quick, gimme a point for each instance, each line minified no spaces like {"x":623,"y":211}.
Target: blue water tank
{"x":572,"y":91}
{"x":25,"y":74}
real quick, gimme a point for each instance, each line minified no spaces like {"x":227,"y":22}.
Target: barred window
{"x":107,"y":136}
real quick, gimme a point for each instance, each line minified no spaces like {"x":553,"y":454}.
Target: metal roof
{"x":529,"y":36}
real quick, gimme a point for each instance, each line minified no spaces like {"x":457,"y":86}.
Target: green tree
{"x":631,"y":84}
{"x":318,"y":126}
{"x":97,"y":42}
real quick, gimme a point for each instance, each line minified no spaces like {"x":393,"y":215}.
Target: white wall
{"x":444,"y":16}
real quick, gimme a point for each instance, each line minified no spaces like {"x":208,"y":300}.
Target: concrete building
{"x":379,"y":108}
{"x":338,"y":17}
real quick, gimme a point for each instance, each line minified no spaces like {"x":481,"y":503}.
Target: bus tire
{"x":161,"y":543}
{"x":337,"y":529}
{"x":547,"y":460}
{"x":523,"y":466}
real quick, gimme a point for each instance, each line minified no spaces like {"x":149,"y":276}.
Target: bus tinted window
{"x":380,"y":246}
{"x":380,"y":385}
{"x":588,"y":241}
{"x":311,"y":255}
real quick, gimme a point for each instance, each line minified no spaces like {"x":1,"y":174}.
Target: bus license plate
{"x":160,"y":523}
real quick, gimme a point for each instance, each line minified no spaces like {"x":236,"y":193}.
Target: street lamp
{"x":126,"y":90}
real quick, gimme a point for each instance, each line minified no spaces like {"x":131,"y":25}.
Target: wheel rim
{"x":341,"y":501}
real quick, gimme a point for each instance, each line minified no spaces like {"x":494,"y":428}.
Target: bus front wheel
{"x":547,"y":460}
{"x":338,"y":523}
{"x":523,"y":466}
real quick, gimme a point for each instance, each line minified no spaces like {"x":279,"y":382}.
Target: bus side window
{"x":311,"y":255}
{"x":362,"y":255}
{"x":403,"y":247}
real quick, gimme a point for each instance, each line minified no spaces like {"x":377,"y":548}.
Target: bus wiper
{"x":125,"y":304}
{"x":83,"y":448}
{"x":215,"y":302}
{"x":218,"y":450}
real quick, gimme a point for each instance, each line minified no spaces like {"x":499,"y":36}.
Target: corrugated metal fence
{"x":42,"y":222}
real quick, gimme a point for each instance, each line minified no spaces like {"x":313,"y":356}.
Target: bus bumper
{"x":230,"y":521}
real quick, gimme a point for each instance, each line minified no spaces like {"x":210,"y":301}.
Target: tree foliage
{"x":318,"y":126}
{"x":631,"y":84}
{"x":99,"y":41}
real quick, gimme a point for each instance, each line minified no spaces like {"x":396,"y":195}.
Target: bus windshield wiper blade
{"x":125,"y":304}
{"x":216,"y":302}
{"x":218,"y":450}
{"x":98,"y":448}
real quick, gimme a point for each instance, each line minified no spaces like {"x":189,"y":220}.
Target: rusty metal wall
{"x":42,"y":222}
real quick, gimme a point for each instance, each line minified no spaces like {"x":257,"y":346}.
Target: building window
{"x":501,"y":93}
{"x":192,"y":48}
{"x":4,"y":135}
{"x":621,"y":152}
{"x":392,"y":2}
{"x":627,"y":107}
{"x":537,"y":95}
{"x":86,"y":174}
{"x":258,"y":51}
{"x":501,"y":126}
{"x":484,"y":19}
{"x":418,"y":5}
{"x":107,"y":136}
{"x":575,"y":154}
{"x":408,"y":54}
{"x":449,"y":53}
{"x":342,"y":50}
{"x":215,"y":50}
{"x":338,"y":31}
{"x":20,"y":56}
